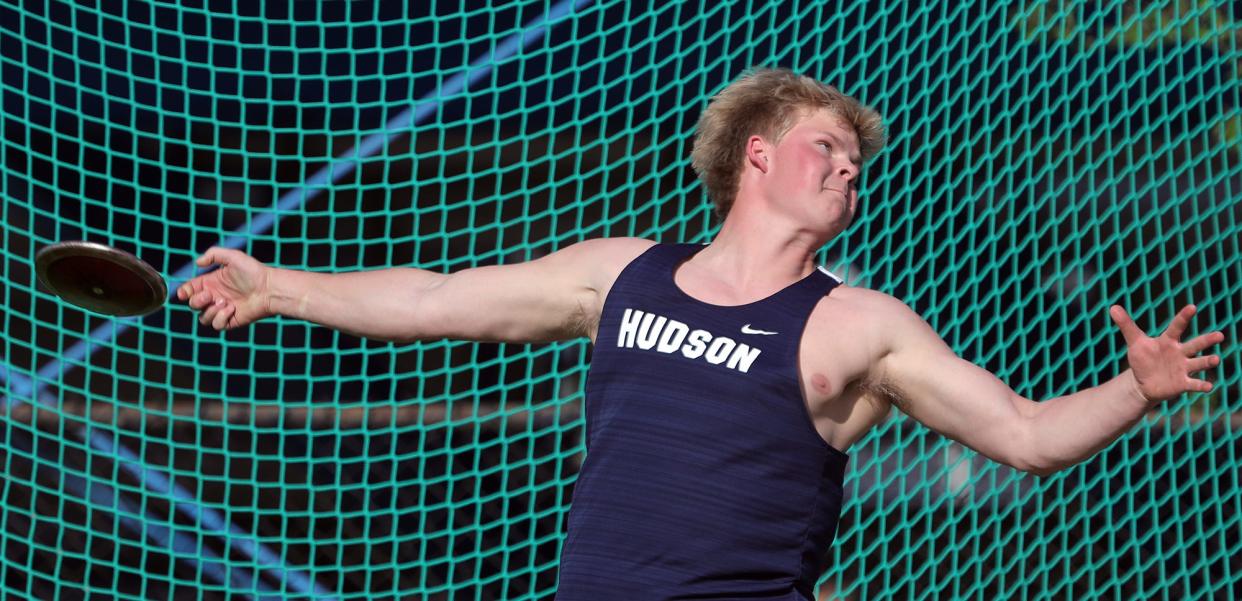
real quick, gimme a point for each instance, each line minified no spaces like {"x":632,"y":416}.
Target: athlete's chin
{"x":833,"y":228}
{"x":844,"y":203}
{"x":843,"y":215}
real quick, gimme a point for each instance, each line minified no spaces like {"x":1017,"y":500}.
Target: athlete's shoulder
{"x":860,"y":313}
{"x":621,"y":246}
{"x":865,"y":309}
{"x":865,"y":299}
{"x":594,"y":264}
{"x":606,"y":257}
{"x":600,"y":261}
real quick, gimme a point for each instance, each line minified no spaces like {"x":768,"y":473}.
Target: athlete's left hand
{"x":1163,"y":365}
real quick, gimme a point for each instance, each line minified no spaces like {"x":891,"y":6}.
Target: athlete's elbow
{"x":1028,"y":453}
{"x":1031,"y":464}
{"x":1043,"y":471}
{"x":1042,"y":458}
{"x":1037,"y":461}
{"x":1029,"y":444}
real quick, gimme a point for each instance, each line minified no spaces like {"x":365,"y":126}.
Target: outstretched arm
{"x":969,"y":404}
{"x":1161,"y":368}
{"x":552,"y":298}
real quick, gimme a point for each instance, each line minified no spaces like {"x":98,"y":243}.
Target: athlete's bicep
{"x":950,"y":395}
{"x":554,"y":297}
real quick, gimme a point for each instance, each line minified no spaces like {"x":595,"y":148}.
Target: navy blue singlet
{"x":704,"y":476}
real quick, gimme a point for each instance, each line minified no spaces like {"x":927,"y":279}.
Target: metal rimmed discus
{"x":100,"y":278}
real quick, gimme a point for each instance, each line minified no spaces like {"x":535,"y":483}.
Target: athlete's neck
{"x":755,"y":254}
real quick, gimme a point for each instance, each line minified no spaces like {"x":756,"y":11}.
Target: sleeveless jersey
{"x":704,"y":476}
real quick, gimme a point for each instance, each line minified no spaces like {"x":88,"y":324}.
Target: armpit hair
{"x":580,"y":322}
{"x":886,"y":390}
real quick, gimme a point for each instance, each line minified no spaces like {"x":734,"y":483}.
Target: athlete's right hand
{"x":234,"y":295}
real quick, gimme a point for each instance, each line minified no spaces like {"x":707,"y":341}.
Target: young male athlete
{"x":727,"y":380}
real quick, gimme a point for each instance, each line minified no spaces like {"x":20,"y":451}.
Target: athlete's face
{"x":813,"y":174}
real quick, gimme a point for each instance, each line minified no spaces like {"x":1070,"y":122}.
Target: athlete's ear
{"x":757,"y":150}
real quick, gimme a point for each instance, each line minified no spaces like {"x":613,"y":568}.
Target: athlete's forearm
{"x":380,"y":304}
{"x":1069,"y":429}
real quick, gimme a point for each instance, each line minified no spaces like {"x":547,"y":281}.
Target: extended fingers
{"x":1199,"y":344}
{"x":1129,"y":330}
{"x":1202,"y":363}
{"x":1199,"y":386}
{"x":1180,"y":322}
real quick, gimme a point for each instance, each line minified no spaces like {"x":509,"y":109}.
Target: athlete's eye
{"x":826,"y":145}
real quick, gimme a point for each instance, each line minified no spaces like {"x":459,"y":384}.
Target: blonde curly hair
{"x":767,"y":102}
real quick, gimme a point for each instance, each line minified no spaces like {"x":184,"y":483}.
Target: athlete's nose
{"x":849,"y":172}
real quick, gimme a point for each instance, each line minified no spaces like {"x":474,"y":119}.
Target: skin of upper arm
{"x":555,"y":297}
{"x":924,"y":378}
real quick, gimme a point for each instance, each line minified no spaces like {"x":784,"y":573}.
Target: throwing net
{"x":1046,"y":159}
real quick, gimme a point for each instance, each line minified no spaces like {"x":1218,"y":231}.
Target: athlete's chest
{"x":837,"y":351}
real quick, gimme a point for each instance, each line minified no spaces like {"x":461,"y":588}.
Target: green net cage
{"x":1046,"y":159}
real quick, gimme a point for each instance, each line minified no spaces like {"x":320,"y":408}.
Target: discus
{"x":100,"y":278}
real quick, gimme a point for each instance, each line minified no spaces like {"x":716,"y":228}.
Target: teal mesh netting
{"x":1047,"y":159}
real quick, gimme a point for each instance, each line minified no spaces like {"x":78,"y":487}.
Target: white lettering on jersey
{"x":672,"y":337}
{"x":742,"y":358}
{"x":629,"y":327}
{"x":719,"y":350}
{"x":697,"y":344}
{"x":648,"y":331}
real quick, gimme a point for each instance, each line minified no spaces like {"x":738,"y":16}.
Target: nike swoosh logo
{"x":746,"y":329}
